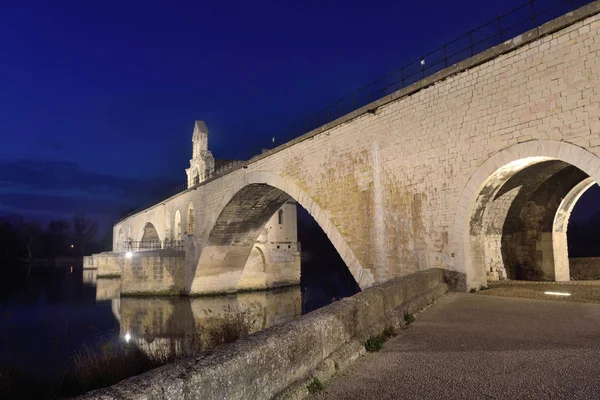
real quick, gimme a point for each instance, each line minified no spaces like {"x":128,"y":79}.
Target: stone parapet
{"x":280,"y":360}
{"x":584,"y":268}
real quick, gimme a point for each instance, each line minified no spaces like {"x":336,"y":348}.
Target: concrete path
{"x":580,"y":291}
{"x":471,"y":346}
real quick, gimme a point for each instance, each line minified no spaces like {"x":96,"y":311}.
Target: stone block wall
{"x":154,"y":272}
{"x":108,"y":264}
{"x":585,"y":268}
{"x":280,"y":359}
{"x":88,"y":262}
{"x":394,"y":184}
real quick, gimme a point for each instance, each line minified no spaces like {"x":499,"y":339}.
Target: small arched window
{"x":280,"y":217}
{"x":191,"y":222}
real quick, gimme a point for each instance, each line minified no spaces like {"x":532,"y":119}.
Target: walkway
{"x":579,"y":291}
{"x":471,"y":346}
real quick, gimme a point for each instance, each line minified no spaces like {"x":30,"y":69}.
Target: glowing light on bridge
{"x":558,"y":293}
{"x":129,"y":254}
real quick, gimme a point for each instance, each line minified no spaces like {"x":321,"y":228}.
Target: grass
{"x":315,"y":386}
{"x":375,"y":343}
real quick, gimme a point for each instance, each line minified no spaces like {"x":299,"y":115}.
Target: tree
{"x":83,"y":231}
{"x":56,"y":238}
{"x":30,"y":233}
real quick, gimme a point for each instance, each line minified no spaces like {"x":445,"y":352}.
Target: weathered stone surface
{"x":347,"y":354}
{"x":153,"y":272}
{"x":108,"y":264}
{"x":585,"y":268}
{"x":265,"y":364}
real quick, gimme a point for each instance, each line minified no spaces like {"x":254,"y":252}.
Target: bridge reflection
{"x":179,"y":324}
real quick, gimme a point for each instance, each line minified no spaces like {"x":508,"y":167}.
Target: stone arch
{"x":256,"y":195}
{"x":254,"y":272}
{"x":560,"y":224}
{"x":150,"y":239}
{"x":177,"y":226}
{"x":502,"y":194}
{"x":191,"y":219}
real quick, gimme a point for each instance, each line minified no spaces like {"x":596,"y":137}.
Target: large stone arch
{"x":487,"y":185}
{"x":255,"y":196}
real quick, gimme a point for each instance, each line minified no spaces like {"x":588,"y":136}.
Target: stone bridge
{"x":474,"y":170}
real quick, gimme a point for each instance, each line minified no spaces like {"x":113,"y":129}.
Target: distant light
{"x":558,"y":293}
{"x":71,"y":269}
{"x":129,"y":254}
{"x":127,"y":337}
{"x":72,"y":246}
{"x":422,"y":62}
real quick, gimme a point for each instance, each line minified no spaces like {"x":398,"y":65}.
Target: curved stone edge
{"x":351,"y":351}
{"x":272,"y":362}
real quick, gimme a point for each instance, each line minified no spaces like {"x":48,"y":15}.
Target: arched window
{"x":280,"y":217}
{"x":190,"y":220}
{"x":177,"y":225}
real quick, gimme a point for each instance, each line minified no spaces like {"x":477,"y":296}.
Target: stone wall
{"x":584,"y":268}
{"x":153,"y":272}
{"x":108,"y":264}
{"x":280,"y":360}
{"x":88,"y":262}
{"x":394,"y":184}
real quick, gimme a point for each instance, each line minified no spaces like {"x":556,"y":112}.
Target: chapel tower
{"x":202,"y":164}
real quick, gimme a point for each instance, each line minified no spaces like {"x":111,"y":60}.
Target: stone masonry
{"x":416,"y":180}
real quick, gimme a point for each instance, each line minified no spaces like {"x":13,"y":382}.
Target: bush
{"x":409,"y":318}
{"x":234,"y":324}
{"x":315,"y":386}
{"x":375,"y":343}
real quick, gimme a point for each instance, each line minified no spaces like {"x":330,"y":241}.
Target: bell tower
{"x":202,"y":163}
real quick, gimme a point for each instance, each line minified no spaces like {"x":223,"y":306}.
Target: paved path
{"x":470,"y":346}
{"x":580,"y":291}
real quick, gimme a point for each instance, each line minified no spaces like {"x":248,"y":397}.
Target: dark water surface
{"x":49,"y":312}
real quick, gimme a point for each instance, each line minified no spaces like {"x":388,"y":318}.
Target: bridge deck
{"x":469,"y":346}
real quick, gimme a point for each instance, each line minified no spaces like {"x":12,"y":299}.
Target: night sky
{"x":98,"y":98}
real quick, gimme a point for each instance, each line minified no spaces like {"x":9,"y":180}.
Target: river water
{"x":47,"y":313}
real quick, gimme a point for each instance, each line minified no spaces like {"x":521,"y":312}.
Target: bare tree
{"x":83,"y":231}
{"x":31,"y":233}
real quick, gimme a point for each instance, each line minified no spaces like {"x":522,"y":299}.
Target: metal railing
{"x":527,"y":16}
{"x":147,"y":245}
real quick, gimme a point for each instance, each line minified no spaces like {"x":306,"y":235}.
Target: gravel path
{"x":470,"y":346}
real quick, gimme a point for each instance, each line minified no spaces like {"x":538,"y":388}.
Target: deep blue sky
{"x":98,"y":98}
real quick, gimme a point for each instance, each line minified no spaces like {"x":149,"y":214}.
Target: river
{"x":47,"y":313}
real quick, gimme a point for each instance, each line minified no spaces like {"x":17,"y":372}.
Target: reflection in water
{"x":174,"y":323}
{"x":48,"y":313}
